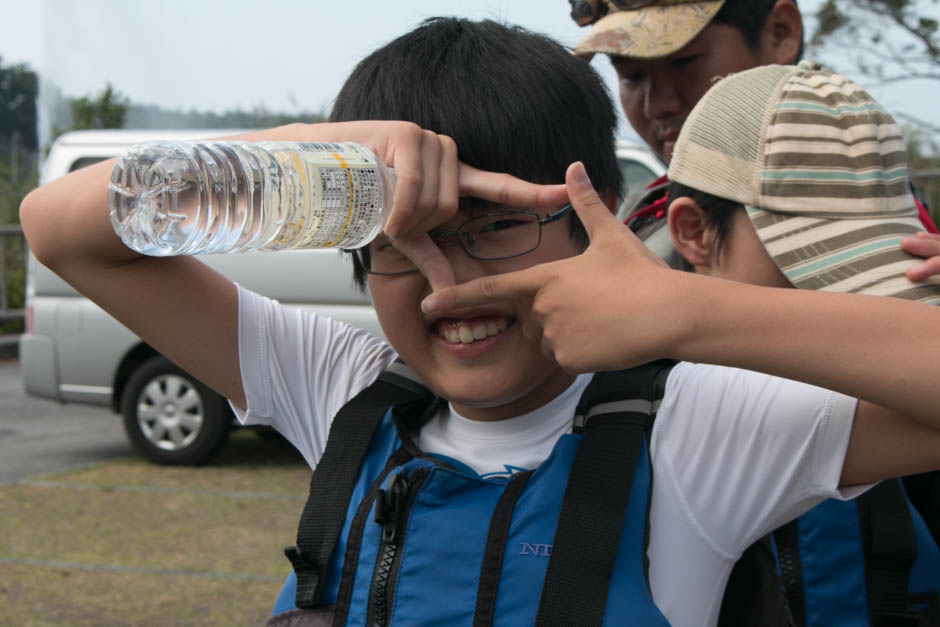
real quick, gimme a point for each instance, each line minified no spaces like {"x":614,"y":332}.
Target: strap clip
{"x":309,"y":578}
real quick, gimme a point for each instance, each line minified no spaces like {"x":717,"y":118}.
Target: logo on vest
{"x":539,"y":550}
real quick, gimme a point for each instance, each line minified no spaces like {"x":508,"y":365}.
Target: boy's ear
{"x":689,"y":232}
{"x":782,"y":34}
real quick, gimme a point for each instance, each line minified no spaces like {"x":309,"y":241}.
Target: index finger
{"x":408,"y":180}
{"x":512,"y":286}
{"x":428,"y":259}
{"x":505,"y":189}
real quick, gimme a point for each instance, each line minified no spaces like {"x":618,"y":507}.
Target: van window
{"x":81,"y":163}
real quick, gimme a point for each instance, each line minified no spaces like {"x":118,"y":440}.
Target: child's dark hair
{"x":749,"y":17}
{"x":718,"y":211}
{"x":513,"y":101}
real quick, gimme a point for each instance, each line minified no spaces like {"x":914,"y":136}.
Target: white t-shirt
{"x":735,"y":454}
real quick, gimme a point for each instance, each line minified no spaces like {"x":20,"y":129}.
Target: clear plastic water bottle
{"x":185,"y":198}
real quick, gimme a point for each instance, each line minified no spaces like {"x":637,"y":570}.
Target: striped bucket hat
{"x":821,"y":170}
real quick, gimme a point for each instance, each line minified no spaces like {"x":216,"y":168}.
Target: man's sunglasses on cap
{"x":586,"y":12}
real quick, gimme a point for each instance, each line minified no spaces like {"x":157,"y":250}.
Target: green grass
{"x":129,"y":543}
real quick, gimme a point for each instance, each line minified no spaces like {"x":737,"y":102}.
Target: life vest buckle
{"x":309,"y":578}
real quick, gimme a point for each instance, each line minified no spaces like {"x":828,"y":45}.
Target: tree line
{"x":20,"y":152}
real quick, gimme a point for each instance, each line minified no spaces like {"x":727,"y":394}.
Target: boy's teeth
{"x":464,"y":333}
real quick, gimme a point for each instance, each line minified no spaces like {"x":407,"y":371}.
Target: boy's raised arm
{"x":186,"y":310}
{"x":617,"y":305}
{"x":177,"y":305}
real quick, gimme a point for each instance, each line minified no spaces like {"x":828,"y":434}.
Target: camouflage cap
{"x":642,"y":29}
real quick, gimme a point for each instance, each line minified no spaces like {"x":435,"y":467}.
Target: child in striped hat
{"x":792,"y":176}
{"x":795,"y":176}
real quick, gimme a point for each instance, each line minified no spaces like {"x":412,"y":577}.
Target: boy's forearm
{"x":886,"y":351}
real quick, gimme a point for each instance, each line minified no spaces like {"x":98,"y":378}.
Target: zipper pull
{"x":390,"y":505}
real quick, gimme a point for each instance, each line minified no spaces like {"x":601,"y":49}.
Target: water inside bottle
{"x":154,"y":198}
{"x":170,"y":198}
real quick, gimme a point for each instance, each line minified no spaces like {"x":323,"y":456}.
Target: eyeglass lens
{"x":491,"y":237}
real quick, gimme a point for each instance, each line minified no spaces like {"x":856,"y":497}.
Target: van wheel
{"x":170,"y":417}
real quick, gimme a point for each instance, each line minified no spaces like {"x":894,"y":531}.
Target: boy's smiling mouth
{"x":466,"y":331}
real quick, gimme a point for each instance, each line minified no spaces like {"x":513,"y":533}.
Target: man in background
{"x":667,"y":54}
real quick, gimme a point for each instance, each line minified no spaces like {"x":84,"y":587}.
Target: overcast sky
{"x":285,"y":55}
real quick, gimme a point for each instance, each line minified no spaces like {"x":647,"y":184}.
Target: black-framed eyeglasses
{"x":490,"y":237}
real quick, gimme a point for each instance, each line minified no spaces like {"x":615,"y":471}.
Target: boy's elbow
{"x":35,"y":228}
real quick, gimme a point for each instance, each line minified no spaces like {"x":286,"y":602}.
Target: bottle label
{"x":346,"y":196}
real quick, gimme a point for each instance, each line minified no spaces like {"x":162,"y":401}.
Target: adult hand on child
{"x":925,"y":245}
{"x":587,"y":311}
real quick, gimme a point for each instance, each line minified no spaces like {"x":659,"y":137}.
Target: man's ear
{"x":782,"y":34}
{"x":690,"y":235}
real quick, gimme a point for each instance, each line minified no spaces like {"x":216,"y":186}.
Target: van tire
{"x":170,"y":417}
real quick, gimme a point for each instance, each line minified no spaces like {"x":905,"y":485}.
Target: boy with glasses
{"x":506,"y":422}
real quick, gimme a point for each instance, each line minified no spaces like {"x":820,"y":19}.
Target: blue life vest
{"x":423,"y":543}
{"x":868,"y":561}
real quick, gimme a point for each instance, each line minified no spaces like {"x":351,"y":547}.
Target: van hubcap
{"x":170,"y":412}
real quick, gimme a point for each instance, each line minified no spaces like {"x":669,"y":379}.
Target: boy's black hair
{"x":513,"y":101}
{"x":748,"y":17}
{"x":718,"y":211}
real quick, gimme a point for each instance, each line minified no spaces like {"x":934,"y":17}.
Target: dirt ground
{"x":130,"y":543}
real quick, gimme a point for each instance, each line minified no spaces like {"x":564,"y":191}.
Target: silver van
{"x":74,"y":352}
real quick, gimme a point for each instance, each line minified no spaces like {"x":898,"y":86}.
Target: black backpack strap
{"x":488,"y":587}
{"x":890,"y":550}
{"x":754,"y":594}
{"x":923,"y":490}
{"x":787,"y":540}
{"x":615,"y":415}
{"x":334,"y":478}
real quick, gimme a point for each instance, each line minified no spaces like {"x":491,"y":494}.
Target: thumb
{"x":594,"y":214}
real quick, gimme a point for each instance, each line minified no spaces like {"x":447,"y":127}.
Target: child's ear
{"x":690,"y":234}
{"x":782,"y":34}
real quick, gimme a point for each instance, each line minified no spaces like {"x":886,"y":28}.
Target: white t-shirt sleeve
{"x":298,"y":369}
{"x":747,"y":452}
